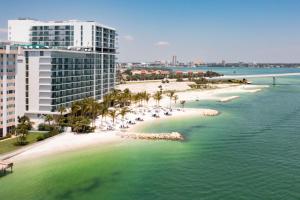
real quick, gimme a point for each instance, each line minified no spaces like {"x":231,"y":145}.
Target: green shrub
{"x":54,"y":131}
{"x":44,"y":127}
{"x":40,"y":138}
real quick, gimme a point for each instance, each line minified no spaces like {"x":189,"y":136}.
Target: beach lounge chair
{"x":139,"y":119}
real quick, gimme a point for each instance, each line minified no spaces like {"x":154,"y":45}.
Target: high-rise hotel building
{"x":64,"y":61}
{"x":8,"y":60}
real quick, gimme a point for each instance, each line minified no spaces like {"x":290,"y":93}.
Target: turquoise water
{"x":250,"y":151}
{"x":240,"y":70}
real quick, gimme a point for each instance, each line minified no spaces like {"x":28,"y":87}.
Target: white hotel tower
{"x":64,"y":61}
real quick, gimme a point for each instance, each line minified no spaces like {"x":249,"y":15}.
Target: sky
{"x":193,"y":30}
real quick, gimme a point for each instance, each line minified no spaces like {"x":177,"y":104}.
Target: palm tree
{"x":91,"y":109}
{"x":49,"y":119}
{"x":81,"y":124}
{"x":103,"y":111}
{"x":160,"y":88}
{"x":123,"y":113}
{"x":107,"y":99}
{"x":140,"y":97}
{"x":60,"y":120}
{"x":76,"y":108}
{"x":126,"y":97}
{"x":135,"y":98}
{"x":175,"y":98}
{"x":62,"y":110}
{"x":182,"y":103}
{"x":113,"y":114}
{"x":21,"y":132}
{"x":158,"y":96}
{"x":87,"y":107}
{"x":24,"y":125}
{"x":171,"y":94}
{"x":147,"y":97}
{"x":114,"y":97}
{"x":26,"y":120}
{"x":96,"y":111}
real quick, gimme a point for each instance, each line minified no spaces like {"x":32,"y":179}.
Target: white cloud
{"x":128,"y":38}
{"x":3,"y":30}
{"x":162,"y":44}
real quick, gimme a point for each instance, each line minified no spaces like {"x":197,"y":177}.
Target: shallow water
{"x":250,"y":151}
{"x":240,"y":70}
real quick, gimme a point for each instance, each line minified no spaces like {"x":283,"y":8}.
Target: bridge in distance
{"x":256,"y":76}
{"x":273,"y":76}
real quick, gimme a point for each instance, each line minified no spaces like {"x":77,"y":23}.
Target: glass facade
{"x":80,"y":63}
{"x":69,"y":76}
{"x":55,"y":36}
{"x":105,"y":40}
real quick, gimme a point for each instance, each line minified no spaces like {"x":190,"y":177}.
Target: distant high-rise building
{"x":223,"y":62}
{"x":198,"y":62}
{"x":174,"y":60}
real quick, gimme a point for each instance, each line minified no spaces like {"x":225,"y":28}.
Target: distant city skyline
{"x":210,"y":31}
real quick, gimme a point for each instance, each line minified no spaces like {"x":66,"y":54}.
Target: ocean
{"x":250,"y":151}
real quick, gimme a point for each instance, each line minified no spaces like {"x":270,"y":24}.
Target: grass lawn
{"x":9,"y":144}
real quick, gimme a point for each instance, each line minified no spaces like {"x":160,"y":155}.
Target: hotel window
{"x":93,"y":33}
{"x":81,"y":33}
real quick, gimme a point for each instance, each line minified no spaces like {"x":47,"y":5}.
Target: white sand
{"x":152,"y":86}
{"x":70,"y":141}
{"x":211,"y":94}
{"x":227,"y":99}
{"x":176,"y":114}
{"x":67,"y":142}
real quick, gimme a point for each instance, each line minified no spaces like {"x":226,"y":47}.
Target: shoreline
{"x":227,"y":99}
{"x":68,"y":141}
{"x":186,"y":112}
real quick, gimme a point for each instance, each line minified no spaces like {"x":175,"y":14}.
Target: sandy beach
{"x":69,"y":141}
{"x":177,"y":114}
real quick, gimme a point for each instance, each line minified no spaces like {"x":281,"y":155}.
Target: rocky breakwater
{"x":175,"y":136}
{"x":227,"y":99}
{"x":209,"y":112}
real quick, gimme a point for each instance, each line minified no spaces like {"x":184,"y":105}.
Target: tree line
{"x":82,"y":115}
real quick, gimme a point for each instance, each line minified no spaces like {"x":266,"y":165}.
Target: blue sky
{"x":209,"y":30}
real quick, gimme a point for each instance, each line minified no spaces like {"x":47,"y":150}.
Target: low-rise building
{"x":149,"y":72}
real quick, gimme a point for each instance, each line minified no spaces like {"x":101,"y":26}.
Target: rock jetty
{"x":175,"y":136}
{"x":210,"y":112}
{"x":227,"y":99}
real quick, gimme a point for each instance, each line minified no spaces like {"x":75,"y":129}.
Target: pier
{"x":273,"y":76}
{"x":256,"y":76}
{"x":5,"y":166}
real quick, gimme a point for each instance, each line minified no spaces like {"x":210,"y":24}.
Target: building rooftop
{"x":63,"y":21}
